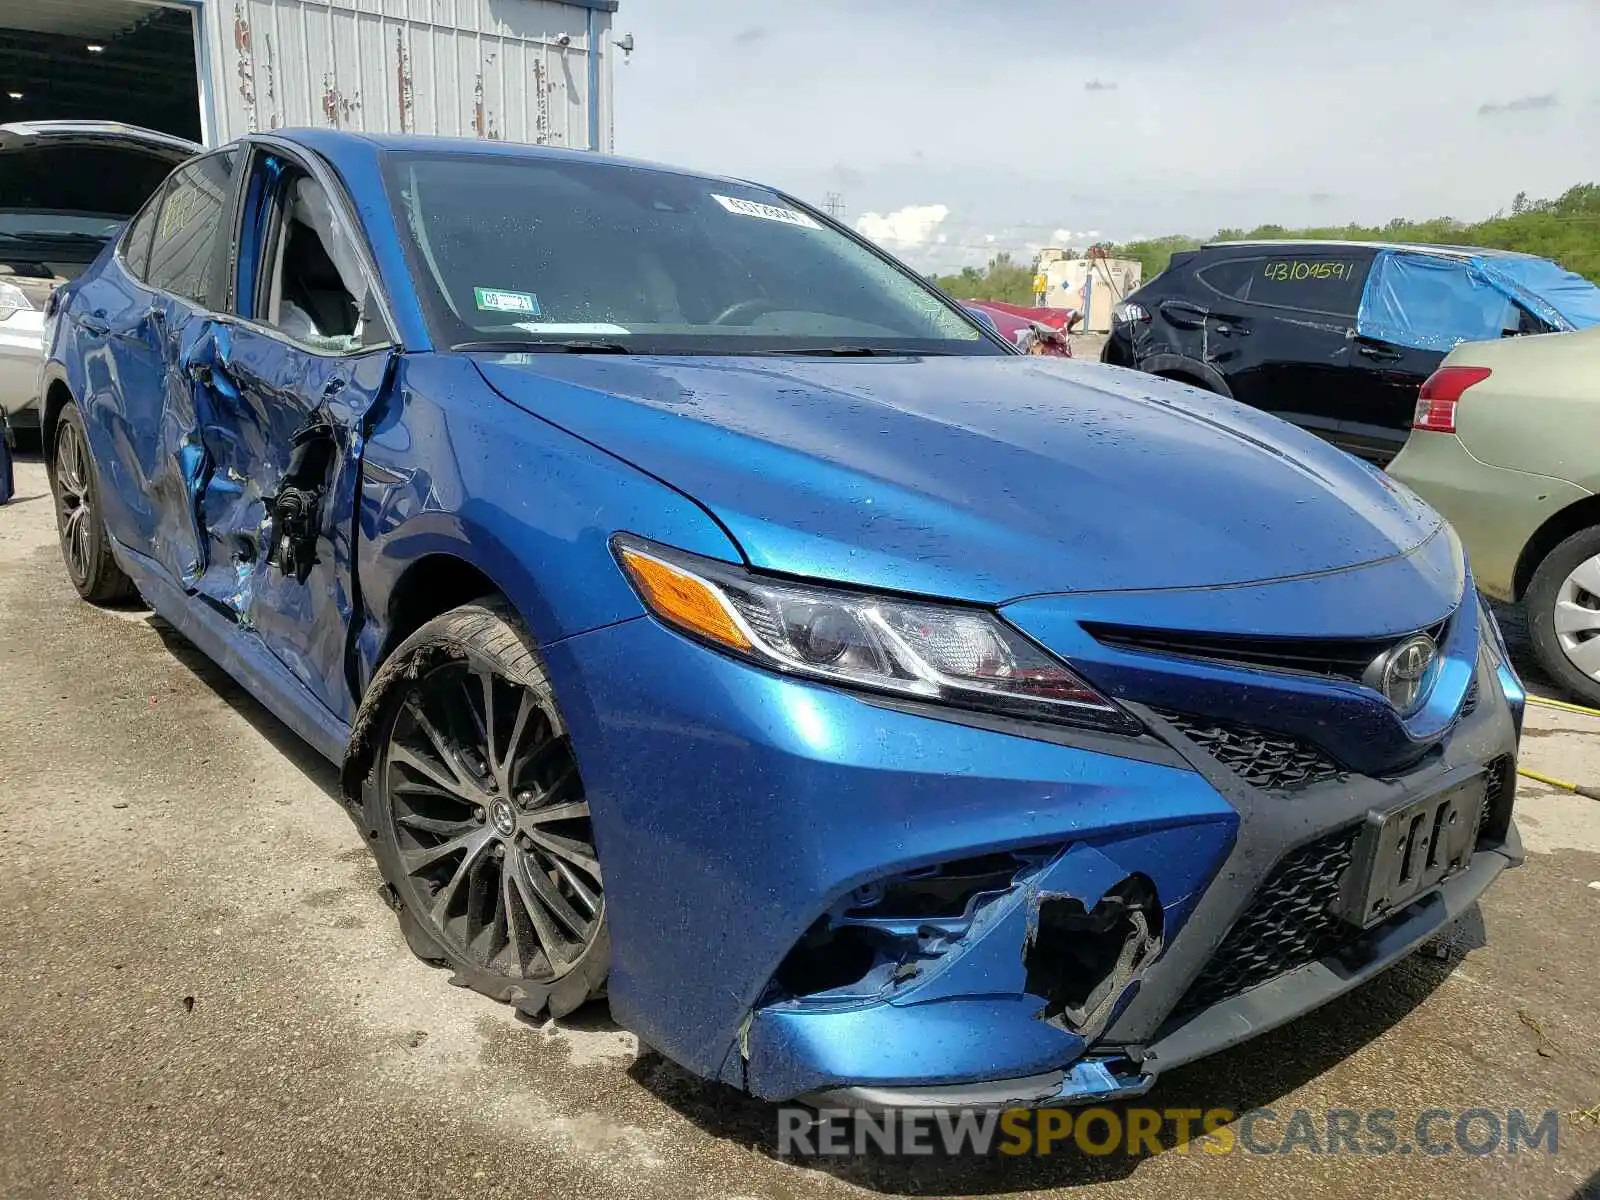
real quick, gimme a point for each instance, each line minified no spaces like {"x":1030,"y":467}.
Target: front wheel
{"x":85,"y":544}
{"x":1563,"y":606}
{"x":480,"y":822}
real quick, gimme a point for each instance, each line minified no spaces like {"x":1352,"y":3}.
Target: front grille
{"x":1266,"y":760}
{"x":1470,"y":704}
{"x":1335,"y":658}
{"x":1288,"y":925}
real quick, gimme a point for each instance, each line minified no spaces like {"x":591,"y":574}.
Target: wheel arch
{"x":57,"y":395}
{"x":1557,"y":528}
{"x":1192,"y":371}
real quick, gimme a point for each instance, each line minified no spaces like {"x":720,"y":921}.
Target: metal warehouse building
{"x":523,"y":70}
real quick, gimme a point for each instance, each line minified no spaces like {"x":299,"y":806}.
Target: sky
{"x":954,"y":128}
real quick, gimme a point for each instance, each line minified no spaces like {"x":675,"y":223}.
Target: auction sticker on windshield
{"x":524,"y":304}
{"x":767,"y":212}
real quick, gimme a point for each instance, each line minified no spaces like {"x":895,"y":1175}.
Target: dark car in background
{"x":1337,"y":336}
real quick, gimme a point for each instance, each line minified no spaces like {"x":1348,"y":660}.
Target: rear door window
{"x":136,"y":241}
{"x":1314,"y":283}
{"x":1327,"y":285}
{"x":189,"y":254}
{"x":1231,"y":276}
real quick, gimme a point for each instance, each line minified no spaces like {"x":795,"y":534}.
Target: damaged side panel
{"x":282,"y":435}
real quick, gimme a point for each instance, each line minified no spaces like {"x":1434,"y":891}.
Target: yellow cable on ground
{"x":1591,"y":793}
{"x":1546,"y":702}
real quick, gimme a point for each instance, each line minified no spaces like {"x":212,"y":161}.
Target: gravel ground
{"x":201,"y":993}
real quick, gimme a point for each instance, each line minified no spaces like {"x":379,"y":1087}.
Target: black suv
{"x":1334,"y":336}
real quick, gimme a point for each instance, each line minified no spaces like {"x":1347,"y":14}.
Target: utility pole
{"x":835,"y":206}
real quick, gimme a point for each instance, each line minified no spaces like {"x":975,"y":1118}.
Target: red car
{"x":1037,"y":334}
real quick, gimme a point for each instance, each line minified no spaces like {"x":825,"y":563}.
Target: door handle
{"x":1379,"y":354}
{"x":1184,"y":316}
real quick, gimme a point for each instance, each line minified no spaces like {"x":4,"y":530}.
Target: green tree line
{"x":1565,"y":230}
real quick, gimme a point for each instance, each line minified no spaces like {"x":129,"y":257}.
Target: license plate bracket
{"x":1405,"y":851}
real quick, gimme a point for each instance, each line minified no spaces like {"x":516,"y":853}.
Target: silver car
{"x":65,"y":188}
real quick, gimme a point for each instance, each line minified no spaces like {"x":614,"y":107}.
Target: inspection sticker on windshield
{"x":524,"y":304}
{"x":767,"y":212}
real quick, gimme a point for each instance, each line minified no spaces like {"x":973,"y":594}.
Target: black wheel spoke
{"x":573,"y":810}
{"x":550,"y":895}
{"x":432,"y":772}
{"x":471,"y":705}
{"x":581,"y":891}
{"x":448,"y":755}
{"x":550,"y":941}
{"x":444,"y":828}
{"x":446,"y":895}
{"x":575,"y":852}
{"x":519,"y":727}
{"x":474,"y":843}
{"x":509,"y":905}
{"x":539,"y":756}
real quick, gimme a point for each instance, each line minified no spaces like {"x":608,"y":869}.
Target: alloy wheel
{"x":74,"y":511}
{"x":1577,"y":616}
{"x":491,"y":823}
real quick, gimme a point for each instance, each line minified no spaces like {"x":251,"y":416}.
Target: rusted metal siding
{"x":511,"y":69}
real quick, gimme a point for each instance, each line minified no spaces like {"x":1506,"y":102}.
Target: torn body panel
{"x":716,"y":905}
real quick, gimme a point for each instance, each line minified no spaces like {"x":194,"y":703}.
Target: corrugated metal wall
{"x":511,"y":69}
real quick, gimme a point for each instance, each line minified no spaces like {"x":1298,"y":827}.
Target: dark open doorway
{"x":104,"y":60}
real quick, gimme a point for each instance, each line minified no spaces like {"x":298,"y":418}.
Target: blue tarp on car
{"x":1433,"y":301}
{"x":1570,"y":294}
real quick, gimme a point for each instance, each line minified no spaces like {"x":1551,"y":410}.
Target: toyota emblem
{"x":1403,"y":673}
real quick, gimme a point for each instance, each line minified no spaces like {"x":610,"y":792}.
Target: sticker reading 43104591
{"x":767,"y":212}
{"x":1296,"y":269}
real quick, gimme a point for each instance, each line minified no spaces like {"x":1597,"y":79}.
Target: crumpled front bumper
{"x":735,"y":809}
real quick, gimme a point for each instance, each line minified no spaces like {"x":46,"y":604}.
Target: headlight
{"x":938,"y":653}
{"x":12,"y":300}
{"x":1128,"y":313}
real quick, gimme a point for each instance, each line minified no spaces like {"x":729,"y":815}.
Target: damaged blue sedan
{"x":708,"y":614}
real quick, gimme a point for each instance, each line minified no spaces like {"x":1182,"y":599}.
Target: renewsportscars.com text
{"x":1375,"y":1132}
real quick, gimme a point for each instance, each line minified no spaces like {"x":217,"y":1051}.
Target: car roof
{"x":334,"y":144}
{"x":1410,"y":247}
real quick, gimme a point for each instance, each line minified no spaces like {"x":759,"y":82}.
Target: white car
{"x":65,"y":188}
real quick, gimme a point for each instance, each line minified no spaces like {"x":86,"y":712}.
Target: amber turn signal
{"x":683,"y":599}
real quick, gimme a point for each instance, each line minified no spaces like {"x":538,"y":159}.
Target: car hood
{"x":65,"y":186}
{"x":982,"y":478}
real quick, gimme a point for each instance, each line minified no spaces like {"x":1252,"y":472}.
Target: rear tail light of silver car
{"x":1436,"y":402}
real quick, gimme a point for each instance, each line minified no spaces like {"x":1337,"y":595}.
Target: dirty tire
{"x":477,"y":815}
{"x":85,"y":544}
{"x":1559,"y":581}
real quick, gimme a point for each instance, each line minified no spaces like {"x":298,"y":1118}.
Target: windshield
{"x":602,"y":255}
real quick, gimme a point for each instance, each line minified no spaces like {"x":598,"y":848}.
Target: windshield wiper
{"x":513,"y":346}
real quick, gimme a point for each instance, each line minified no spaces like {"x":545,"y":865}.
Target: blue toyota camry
{"x":708,"y":614}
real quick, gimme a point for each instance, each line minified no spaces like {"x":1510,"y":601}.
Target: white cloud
{"x":906,"y":228}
